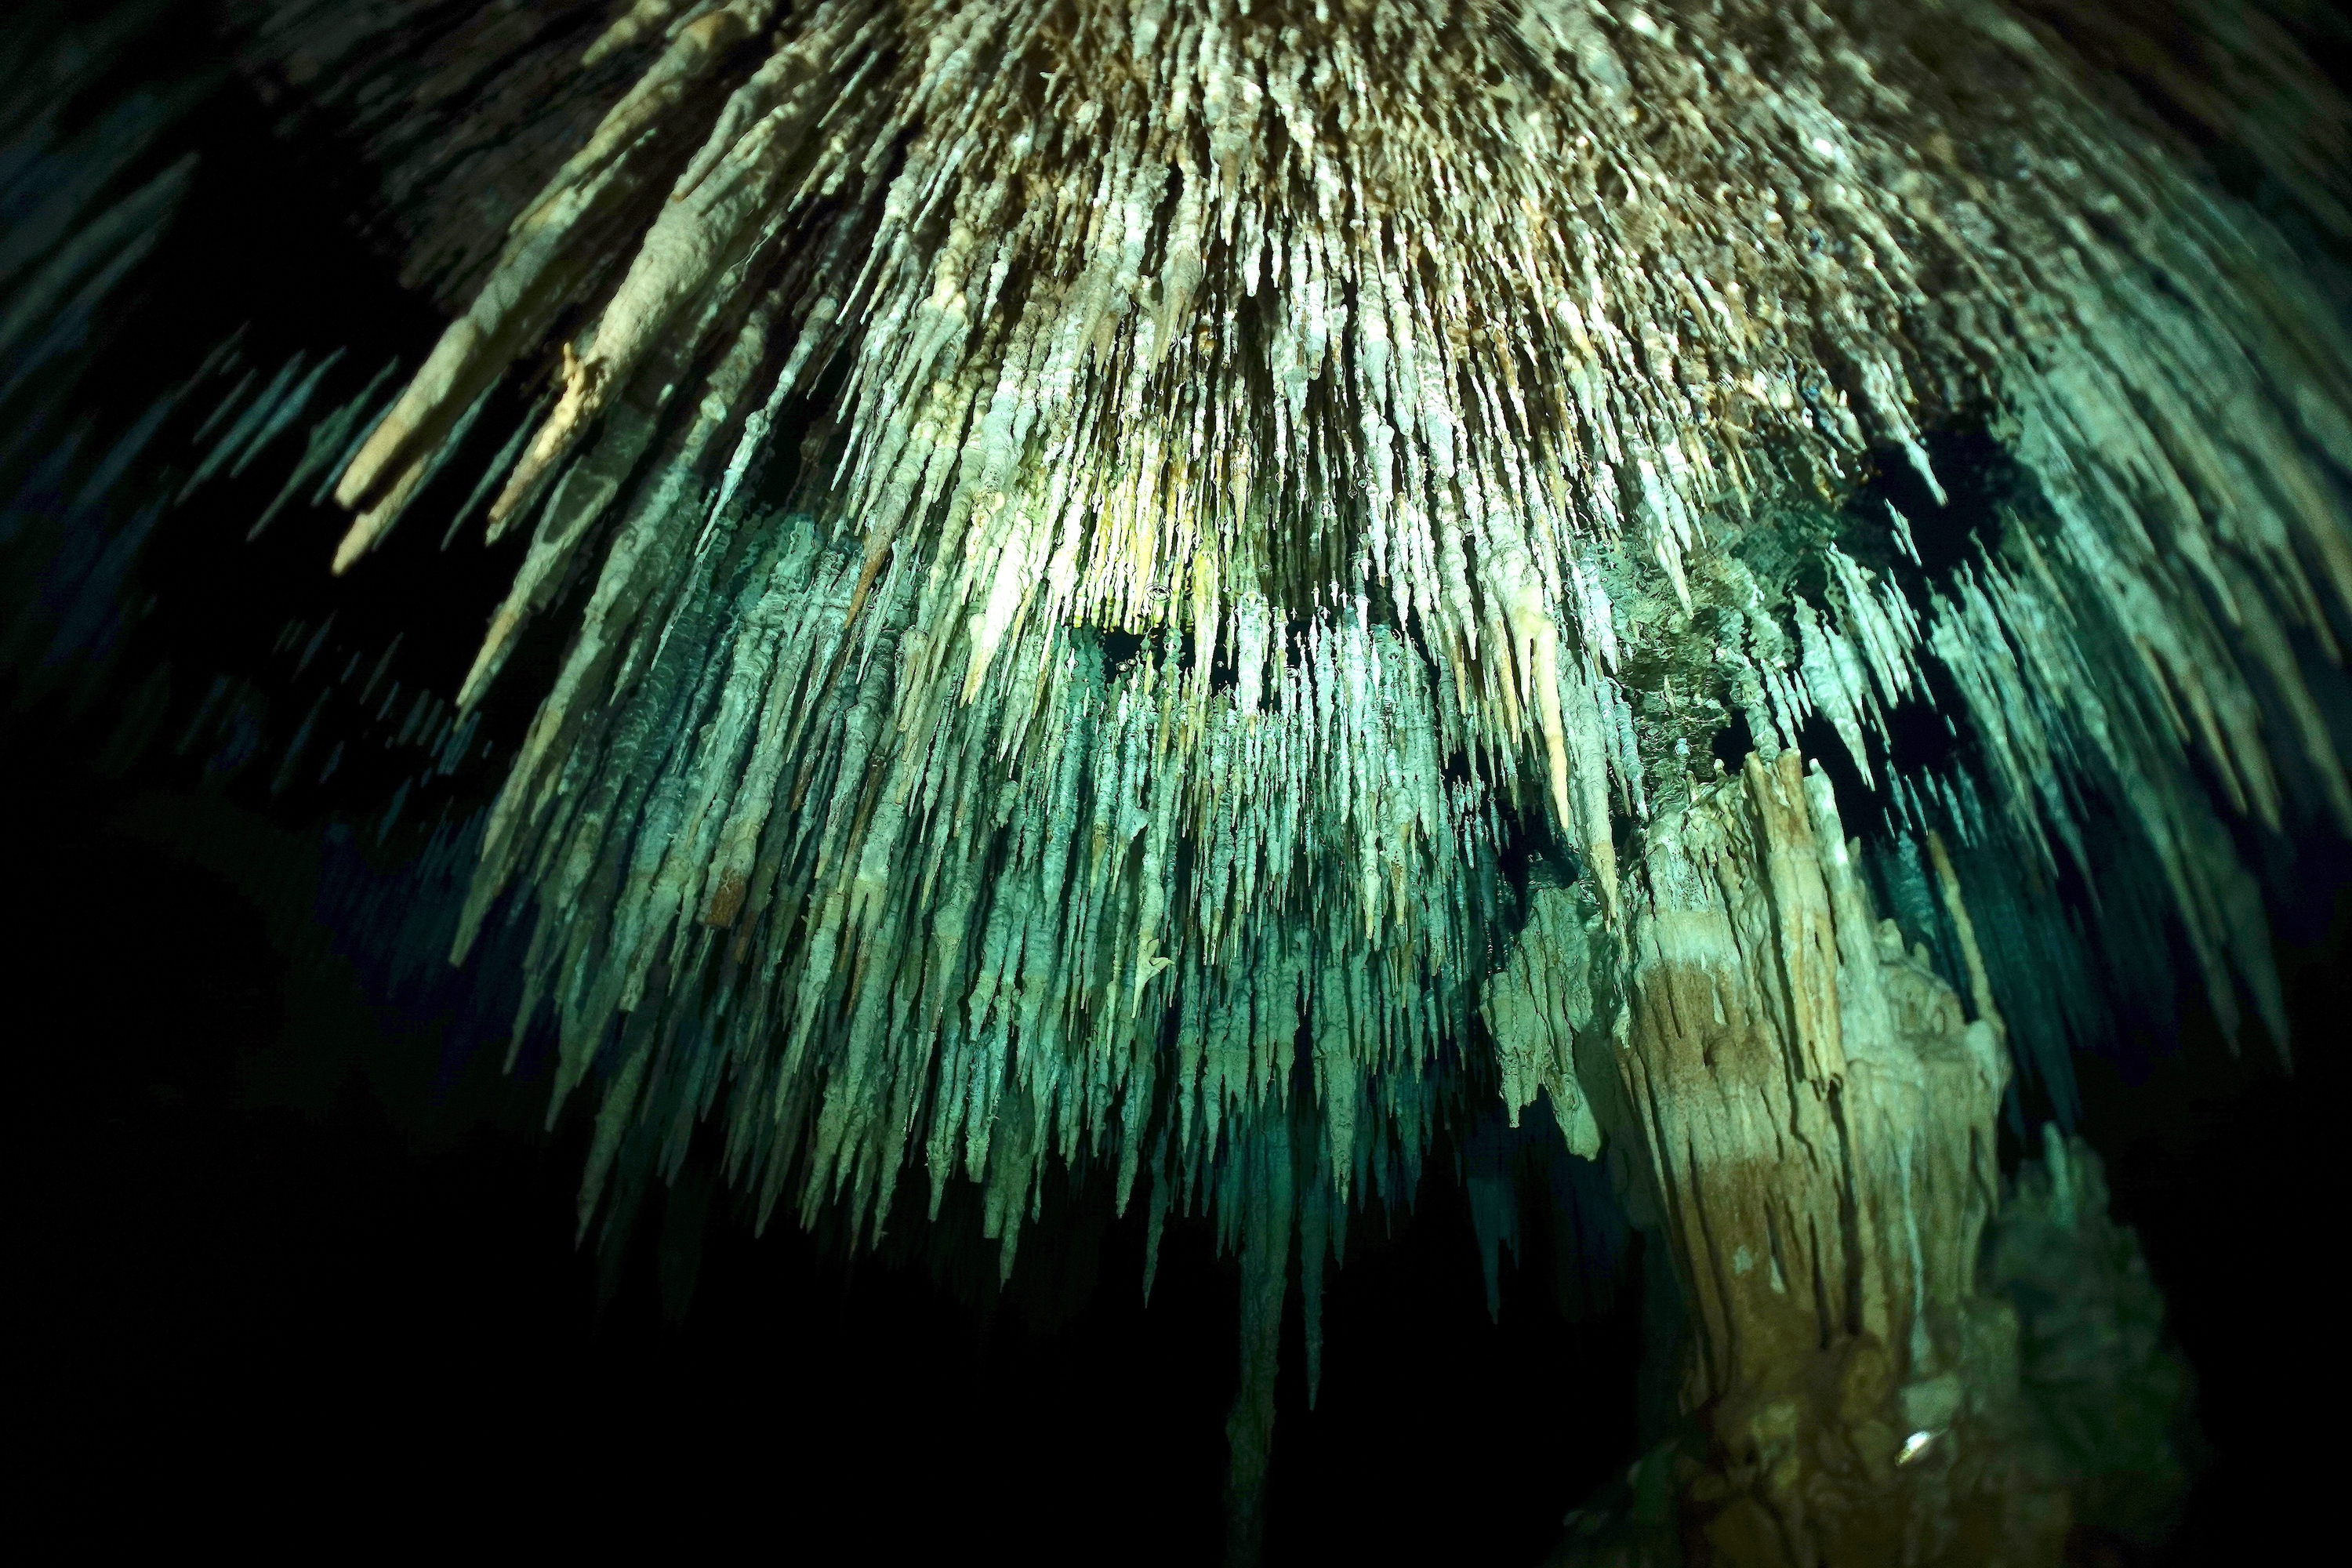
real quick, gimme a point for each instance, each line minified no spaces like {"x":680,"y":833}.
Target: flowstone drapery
{"x":1815,"y":1113}
{"x":1096,"y":543}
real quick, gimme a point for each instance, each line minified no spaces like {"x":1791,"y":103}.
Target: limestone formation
{"x":1096,"y":541}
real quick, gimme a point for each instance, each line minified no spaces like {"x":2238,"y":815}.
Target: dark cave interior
{"x":291,"y":1247}
{"x":282,"y":1256}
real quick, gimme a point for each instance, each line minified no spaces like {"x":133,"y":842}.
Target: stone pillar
{"x":1809,"y":1110}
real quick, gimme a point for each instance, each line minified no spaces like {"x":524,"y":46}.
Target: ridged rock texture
{"x":1816,"y":1109}
{"x":1096,"y":543}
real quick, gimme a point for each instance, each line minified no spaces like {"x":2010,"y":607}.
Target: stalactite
{"x":1267,"y":362}
{"x":1269,"y":1183}
{"x":1095,"y":543}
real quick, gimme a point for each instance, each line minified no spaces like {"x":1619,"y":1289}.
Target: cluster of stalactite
{"x":1091,"y":539}
{"x":1249,"y":463}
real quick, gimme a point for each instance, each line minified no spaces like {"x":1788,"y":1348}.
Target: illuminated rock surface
{"x":1095,"y":543}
